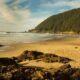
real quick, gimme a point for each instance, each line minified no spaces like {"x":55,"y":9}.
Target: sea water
{"x":13,"y":38}
{"x":10,"y":38}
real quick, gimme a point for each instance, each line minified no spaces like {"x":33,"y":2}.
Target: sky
{"x":22,"y":15}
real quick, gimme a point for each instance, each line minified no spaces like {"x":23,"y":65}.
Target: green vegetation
{"x":68,"y":21}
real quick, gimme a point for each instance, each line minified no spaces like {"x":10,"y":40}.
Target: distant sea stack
{"x":67,"y":22}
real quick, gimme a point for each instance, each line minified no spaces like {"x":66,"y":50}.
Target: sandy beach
{"x":69,"y":48}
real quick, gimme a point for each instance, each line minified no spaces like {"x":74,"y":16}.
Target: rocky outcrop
{"x":1,"y":45}
{"x":46,"y":57}
{"x":30,"y":55}
{"x":7,"y":61}
{"x":65,"y":72}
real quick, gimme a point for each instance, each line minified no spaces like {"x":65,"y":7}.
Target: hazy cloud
{"x":11,"y":18}
{"x":60,"y":3}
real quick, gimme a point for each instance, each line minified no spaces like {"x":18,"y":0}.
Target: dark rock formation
{"x":65,"y":72}
{"x":1,"y":45}
{"x":30,"y":55}
{"x":7,"y":61}
{"x":33,"y":55}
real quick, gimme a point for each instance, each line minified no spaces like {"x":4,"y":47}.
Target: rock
{"x":76,"y":75}
{"x":30,"y":55}
{"x":7,"y":61}
{"x":1,"y":45}
{"x":66,"y":66}
{"x":65,"y":72}
{"x":76,"y":47}
{"x":46,"y":57}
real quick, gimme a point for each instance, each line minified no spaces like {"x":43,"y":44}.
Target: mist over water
{"x":9,"y":38}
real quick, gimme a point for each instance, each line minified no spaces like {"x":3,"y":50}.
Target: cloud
{"x":74,"y":4}
{"x":12,"y":18}
{"x":5,"y":12}
{"x":61,"y":3}
{"x":53,"y":7}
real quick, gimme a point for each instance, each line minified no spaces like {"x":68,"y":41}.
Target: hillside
{"x":68,"y":21}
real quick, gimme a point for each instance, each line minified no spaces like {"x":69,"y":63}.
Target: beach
{"x":69,"y":47}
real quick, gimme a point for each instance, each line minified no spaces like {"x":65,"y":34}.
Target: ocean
{"x":7,"y":39}
{"x":13,"y":38}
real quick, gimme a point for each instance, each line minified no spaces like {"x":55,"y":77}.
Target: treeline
{"x":68,"y":21}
